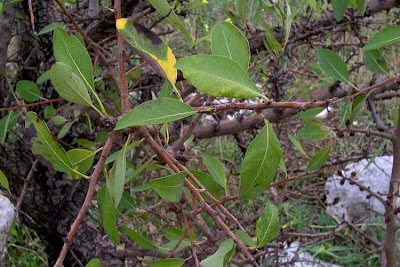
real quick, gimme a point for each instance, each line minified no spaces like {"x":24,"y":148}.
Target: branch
{"x":94,"y":178}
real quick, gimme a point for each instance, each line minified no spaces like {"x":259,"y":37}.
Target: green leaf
{"x":139,"y":239}
{"x":215,"y":168}
{"x":116,"y":182}
{"x":58,"y":120}
{"x":260,"y":163}
{"x":375,"y":61}
{"x":208,"y":182}
{"x":107,"y":214}
{"x":28,"y":90}
{"x":170,"y":187}
{"x":82,"y":161}
{"x":166,"y":10}
{"x":6,"y":123}
{"x":71,"y":52}
{"x":221,"y":257}
{"x":313,"y":133}
{"x":157,"y":111}
{"x":4,"y":181}
{"x":51,"y":27}
{"x":243,"y":9}
{"x":69,"y":86}
{"x":44,"y":77}
{"x":94,"y":263}
{"x":43,"y":144}
{"x":319,"y":159}
{"x":49,"y":111}
{"x":218,"y":76}
{"x":268,"y":227}
{"x":116,"y":154}
{"x":150,"y":46}
{"x":64,"y":130}
{"x":339,"y":8}
{"x":297,"y":144}
{"x":228,"y":41}
{"x":333,"y":65}
{"x":357,"y":106}
{"x":171,"y":262}
{"x":361,"y":6}
{"x":385,"y":37}
{"x":246,"y":239}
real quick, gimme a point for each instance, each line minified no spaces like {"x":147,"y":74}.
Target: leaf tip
{"x":121,"y":23}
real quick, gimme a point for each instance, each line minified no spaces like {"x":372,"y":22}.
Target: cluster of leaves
{"x":223,"y":73}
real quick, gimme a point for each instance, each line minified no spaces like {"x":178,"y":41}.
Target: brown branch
{"x":170,"y":162}
{"x":88,"y":199}
{"x":32,"y":104}
{"x":18,"y":206}
{"x":366,"y":132}
{"x":391,"y":206}
{"x":123,"y":87}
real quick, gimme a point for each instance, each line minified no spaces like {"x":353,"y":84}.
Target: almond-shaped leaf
{"x":361,"y":7}
{"x":171,"y":262}
{"x":339,"y":8}
{"x":357,"y":106}
{"x":94,"y":263}
{"x":64,"y":130}
{"x":297,"y":144}
{"x":268,"y":227}
{"x":139,"y":239}
{"x":218,"y":76}
{"x":116,"y":182}
{"x":28,"y":90}
{"x":208,"y":182}
{"x":82,"y":160}
{"x":319,"y":159}
{"x":333,"y":65}
{"x":44,"y":77}
{"x":69,"y":86}
{"x":260,"y":163}
{"x":246,"y":239}
{"x":4,"y":181}
{"x":221,"y":257}
{"x":116,"y":154}
{"x":157,"y":111}
{"x":107,"y":214}
{"x":387,"y":36}
{"x":170,"y":187}
{"x":70,"y":51}
{"x":215,"y":168}
{"x":228,"y":41}
{"x":51,"y":27}
{"x":44,"y":146}
{"x":7,"y":123}
{"x":375,"y":61}
{"x":159,"y":55}
{"x":167,"y":11}
{"x":313,"y":133}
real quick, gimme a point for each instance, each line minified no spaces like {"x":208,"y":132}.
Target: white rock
{"x":348,"y":202}
{"x":7,"y":211}
{"x":302,"y":258}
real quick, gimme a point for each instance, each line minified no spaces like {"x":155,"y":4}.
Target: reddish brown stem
{"x":32,"y":104}
{"x":123,"y":87}
{"x":94,"y":178}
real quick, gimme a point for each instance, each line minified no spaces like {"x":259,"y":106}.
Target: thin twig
{"x":32,"y":104}
{"x":123,"y":87}
{"x":88,"y":199}
{"x":170,"y":162}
